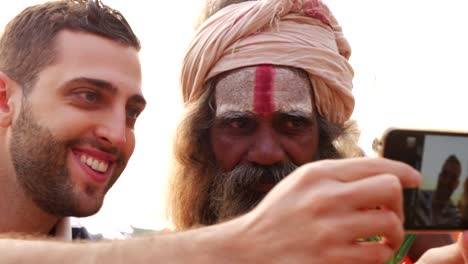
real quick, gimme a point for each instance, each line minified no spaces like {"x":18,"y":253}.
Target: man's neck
{"x":18,"y":213}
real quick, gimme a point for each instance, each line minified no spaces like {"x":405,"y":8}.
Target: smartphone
{"x":441,"y":201}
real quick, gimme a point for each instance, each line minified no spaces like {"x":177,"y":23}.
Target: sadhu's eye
{"x":295,"y":122}
{"x":239,"y":123}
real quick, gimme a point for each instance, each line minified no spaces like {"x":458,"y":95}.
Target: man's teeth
{"x":95,"y":164}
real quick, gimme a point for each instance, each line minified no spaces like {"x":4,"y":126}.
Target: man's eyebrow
{"x":234,"y":114}
{"x":296,"y":113}
{"x":102,"y":84}
{"x":105,"y":85}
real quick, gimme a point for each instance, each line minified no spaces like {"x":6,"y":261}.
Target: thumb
{"x":463,"y":245}
{"x":450,"y":254}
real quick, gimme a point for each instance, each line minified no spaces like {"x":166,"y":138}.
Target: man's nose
{"x":266,"y":148}
{"x":112,"y":129}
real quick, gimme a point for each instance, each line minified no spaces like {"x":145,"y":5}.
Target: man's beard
{"x":40,"y":163}
{"x":236,"y":192}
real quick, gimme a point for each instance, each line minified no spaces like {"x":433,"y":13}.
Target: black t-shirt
{"x":82,"y":233}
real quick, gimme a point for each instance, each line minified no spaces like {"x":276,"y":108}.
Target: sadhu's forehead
{"x":264,"y":89}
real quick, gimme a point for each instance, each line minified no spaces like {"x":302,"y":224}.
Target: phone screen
{"x":441,"y":202}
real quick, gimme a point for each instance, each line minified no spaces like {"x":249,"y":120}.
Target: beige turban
{"x":302,"y":34}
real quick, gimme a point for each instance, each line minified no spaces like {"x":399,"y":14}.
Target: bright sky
{"x":410,"y":60}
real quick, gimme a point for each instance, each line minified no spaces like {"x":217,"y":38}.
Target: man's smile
{"x":97,"y":164}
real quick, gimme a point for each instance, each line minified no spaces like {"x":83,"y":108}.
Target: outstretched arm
{"x":203,"y":245}
{"x":315,"y":215}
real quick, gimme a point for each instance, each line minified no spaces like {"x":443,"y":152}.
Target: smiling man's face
{"x":74,"y":132}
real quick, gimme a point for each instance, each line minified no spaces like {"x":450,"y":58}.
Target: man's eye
{"x":295,"y":123}
{"x":89,"y":96}
{"x":133,"y":113}
{"x":240,"y":123}
{"x":292,"y":124}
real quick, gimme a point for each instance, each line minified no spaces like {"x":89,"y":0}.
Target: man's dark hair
{"x":27,"y":44}
{"x":452,"y":159}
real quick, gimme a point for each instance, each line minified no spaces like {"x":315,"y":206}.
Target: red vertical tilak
{"x":263,"y":93}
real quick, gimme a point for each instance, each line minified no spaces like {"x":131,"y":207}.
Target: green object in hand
{"x":403,"y":250}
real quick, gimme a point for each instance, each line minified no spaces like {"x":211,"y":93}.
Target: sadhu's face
{"x":264,"y":117}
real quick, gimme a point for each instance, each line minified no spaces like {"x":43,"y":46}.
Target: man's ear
{"x":6,"y":107}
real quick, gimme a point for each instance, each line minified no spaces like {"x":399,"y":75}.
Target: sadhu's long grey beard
{"x":234,"y":193}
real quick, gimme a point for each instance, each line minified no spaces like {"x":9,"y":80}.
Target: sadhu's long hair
{"x":195,"y":163}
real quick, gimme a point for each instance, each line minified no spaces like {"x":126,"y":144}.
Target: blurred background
{"x":410,"y":60}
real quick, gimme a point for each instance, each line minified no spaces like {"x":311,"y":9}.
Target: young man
{"x":70,"y":91}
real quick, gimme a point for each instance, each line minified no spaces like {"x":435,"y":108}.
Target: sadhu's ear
{"x":7,"y":89}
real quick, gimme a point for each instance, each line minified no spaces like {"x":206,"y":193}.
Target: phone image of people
{"x":435,"y":207}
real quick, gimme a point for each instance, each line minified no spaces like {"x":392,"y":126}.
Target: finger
{"x":347,"y":170}
{"x":362,"y":194}
{"x":370,"y":223}
{"x":361,"y":253}
{"x":443,"y":255}
{"x":463,"y":245}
